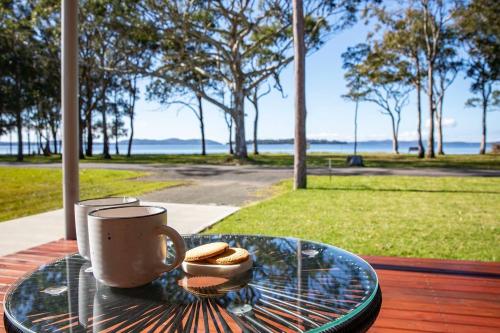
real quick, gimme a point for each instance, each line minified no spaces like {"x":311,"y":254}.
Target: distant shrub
{"x":495,"y":148}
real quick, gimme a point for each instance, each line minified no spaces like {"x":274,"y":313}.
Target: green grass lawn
{"x":488,"y":161}
{"x":455,"y":218}
{"x":27,"y":191}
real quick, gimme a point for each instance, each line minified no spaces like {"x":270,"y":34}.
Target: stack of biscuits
{"x":216,"y":259}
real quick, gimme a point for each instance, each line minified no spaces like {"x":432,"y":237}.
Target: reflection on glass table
{"x":294,"y":286}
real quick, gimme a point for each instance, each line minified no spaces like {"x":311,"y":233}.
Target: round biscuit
{"x":231,"y":256}
{"x":206,"y":251}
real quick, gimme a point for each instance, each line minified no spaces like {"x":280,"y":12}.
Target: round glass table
{"x":293,"y":286}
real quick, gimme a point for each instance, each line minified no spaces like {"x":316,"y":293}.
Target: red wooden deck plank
{"x":459,"y":265}
{"x":419,"y":295}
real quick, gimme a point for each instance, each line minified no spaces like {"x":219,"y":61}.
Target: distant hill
{"x":290,"y":141}
{"x":175,"y":141}
{"x":172,"y":141}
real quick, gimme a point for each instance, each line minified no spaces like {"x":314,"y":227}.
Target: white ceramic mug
{"x":84,"y":207}
{"x":128,"y":247}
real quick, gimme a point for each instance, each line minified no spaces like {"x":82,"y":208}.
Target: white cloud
{"x":446,"y":122}
{"x":449,"y":122}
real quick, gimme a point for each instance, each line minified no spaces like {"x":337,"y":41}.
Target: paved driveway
{"x":239,"y":185}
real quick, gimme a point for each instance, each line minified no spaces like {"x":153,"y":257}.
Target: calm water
{"x":369,"y":147}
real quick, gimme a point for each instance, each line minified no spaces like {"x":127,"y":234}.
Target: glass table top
{"x":293,"y":286}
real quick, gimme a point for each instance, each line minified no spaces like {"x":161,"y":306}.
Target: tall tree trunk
{"x":395,"y":143}
{"x":19,"y":118}
{"x":231,"y":150}
{"x":46,"y":149}
{"x":202,"y":125}
{"x":105,"y":144}
{"x":430,"y":93}
{"x":39,"y":142}
{"x":300,"y":171}
{"x":229,"y":122}
{"x":19,"y":125}
{"x":54,"y":138}
{"x":482,"y":148}
{"x":239,"y":123}
{"x":117,"y":149}
{"x":131,"y":137}
{"x":80,"y":136}
{"x":255,"y":125}
{"x":90,"y":143}
{"x":439,"y":118}
{"x":10,"y":142}
{"x":28,"y":132}
{"x":116,"y":130}
{"x":131,"y":116}
{"x":356,"y":128}
{"x":421,"y":149}
{"x":29,"y":140}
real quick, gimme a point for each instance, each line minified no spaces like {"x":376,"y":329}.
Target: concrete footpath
{"x":26,"y":232}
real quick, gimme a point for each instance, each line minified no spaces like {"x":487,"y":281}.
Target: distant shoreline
{"x":180,"y":142}
{"x":283,"y":148}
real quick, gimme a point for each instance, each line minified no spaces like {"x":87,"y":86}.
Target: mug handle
{"x":180,"y":248}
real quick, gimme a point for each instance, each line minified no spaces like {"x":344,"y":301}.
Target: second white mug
{"x":84,"y":207}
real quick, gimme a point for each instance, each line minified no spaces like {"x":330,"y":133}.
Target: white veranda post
{"x":70,"y":118}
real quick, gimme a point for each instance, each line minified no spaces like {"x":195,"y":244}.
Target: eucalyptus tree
{"x":105,"y":41}
{"x":134,"y":44}
{"x":6,"y":115}
{"x":29,"y":42}
{"x":6,"y":120}
{"x":115,"y":53}
{"x":229,"y":123}
{"x":422,"y":33}
{"x":379,"y":78}
{"x":238,"y":43}
{"x":448,"y":65}
{"x":47,"y":82}
{"x":117,"y":108}
{"x":169,"y":95}
{"x":187,"y":94}
{"x":48,"y":27}
{"x":42,"y":126}
{"x":133,"y":95}
{"x":479,"y":29}
{"x":402,"y":35}
{"x":16,"y":45}
{"x":254,"y":98}
{"x":88,"y":75}
{"x":129,"y":84}
{"x":436,"y":18}
{"x":355,"y":94}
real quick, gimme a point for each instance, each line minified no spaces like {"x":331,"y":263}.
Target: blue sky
{"x":329,"y":116}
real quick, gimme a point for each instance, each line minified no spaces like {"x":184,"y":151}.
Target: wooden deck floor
{"x":419,"y":295}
